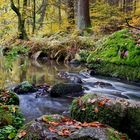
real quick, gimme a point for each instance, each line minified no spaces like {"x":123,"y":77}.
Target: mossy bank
{"x":117,"y":55}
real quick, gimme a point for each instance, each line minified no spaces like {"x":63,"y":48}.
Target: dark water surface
{"x":47,"y":72}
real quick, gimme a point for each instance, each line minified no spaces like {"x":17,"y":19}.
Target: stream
{"x":39,"y":72}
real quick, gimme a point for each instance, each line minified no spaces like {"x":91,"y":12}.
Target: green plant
{"x":10,"y":115}
{"x":7,"y":133}
{"x":8,"y":97}
{"x":13,"y":54}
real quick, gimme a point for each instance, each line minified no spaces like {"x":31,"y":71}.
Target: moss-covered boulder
{"x":120,"y":114}
{"x":8,"y":97}
{"x":63,"y":89}
{"x":119,"y":48}
{"x":24,"y":87}
{"x":56,"y":127}
{"x":117,"y":51}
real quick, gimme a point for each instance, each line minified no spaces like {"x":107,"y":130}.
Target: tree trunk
{"x":70,"y":12}
{"x":42,"y":12}
{"x":34,"y":16}
{"x":59,"y":14}
{"x":83,"y":14}
{"x":21,"y":19}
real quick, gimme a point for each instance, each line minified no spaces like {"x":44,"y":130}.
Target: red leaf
{"x":52,"y":129}
{"x":64,"y":132}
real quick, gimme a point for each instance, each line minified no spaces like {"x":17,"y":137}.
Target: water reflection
{"x":33,"y":71}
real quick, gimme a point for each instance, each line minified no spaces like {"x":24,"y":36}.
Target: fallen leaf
{"x":53,"y":123}
{"x":22,"y":133}
{"x":84,"y":124}
{"x":96,"y":110}
{"x":101,"y":103}
{"x":64,"y":132}
{"x":77,"y":126}
{"x":93,"y":124}
{"x":91,"y":101}
{"x":70,"y":122}
{"x":52,"y":129}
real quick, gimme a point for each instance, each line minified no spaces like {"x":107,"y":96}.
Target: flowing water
{"x":47,"y":72}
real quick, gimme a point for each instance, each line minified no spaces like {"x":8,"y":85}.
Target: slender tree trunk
{"x":42,"y":12}
{"x":70,"y":12}
{"x":34,"y":16}
{"x":83,"y":14}
{"x":28,"y":20}
{"x":134,"y":5}
{"x":59,"y":14}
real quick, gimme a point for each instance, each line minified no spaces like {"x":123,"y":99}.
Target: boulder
{"x":70,"y":76}
{"x":121,"y":114}
{"x":24,"y":87}
{"x":103,"y":85}
{"x":56,"y":127}
{"x":63,"y":89}
{"x":8,"y":97}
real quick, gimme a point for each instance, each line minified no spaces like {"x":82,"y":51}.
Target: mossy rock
{"x":119,"y":48}
{"x":120,"y":114}
{"x":113,"y":70}
{"x":63,"y":89}
{"x":55,"y":127}
{"x":24,"y":87}
{"x":10,"y":115}
{"x":8,"y":97}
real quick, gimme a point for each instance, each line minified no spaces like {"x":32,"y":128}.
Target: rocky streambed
{"x":54,"y":97}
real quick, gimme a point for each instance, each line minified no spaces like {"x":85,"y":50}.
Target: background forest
{"x":79,"y":59}
{"x":42,"y":17}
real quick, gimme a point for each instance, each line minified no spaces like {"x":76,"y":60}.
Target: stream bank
{"x":115,"y":55}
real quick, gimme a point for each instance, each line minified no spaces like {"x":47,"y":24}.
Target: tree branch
{"x":15,"y":9}
{"x":127,"y":22}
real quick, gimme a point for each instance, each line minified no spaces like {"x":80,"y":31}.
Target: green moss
{"x":110,"y":48}
{"x":114,"y":135}
{"x":24,"y":87}
{"x":63,"y":89}
{"x":115,"y":114}
{"x":86,"y":112}
{"x":132,"y":123}
{"x":113,"y":70}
